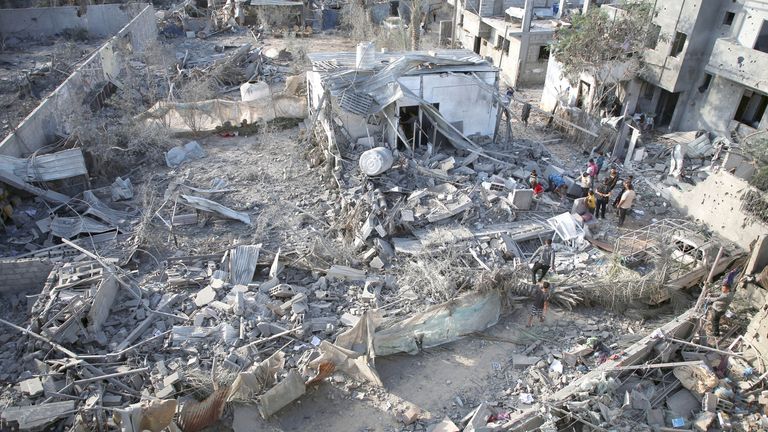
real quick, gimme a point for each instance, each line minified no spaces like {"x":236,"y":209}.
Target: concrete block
{"x":522,"y":361}
{"x":521,"y":198}
{"x":31,"y":387}
{"x":205,"y":296}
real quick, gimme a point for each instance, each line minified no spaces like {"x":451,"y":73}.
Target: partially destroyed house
{"x":703,"y":64}
{"x":513,"y":34}
{"x":404,"y":99}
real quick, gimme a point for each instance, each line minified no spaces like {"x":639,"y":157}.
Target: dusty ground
{"x":450,"y":380}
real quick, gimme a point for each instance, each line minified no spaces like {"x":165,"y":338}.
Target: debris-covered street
{"x":290,"y":216}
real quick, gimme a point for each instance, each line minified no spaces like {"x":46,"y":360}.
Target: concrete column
{"x":560,"y":10}
{"x":528,"y":17}
{"x":524,"y":40}
{"x":587,"y":5}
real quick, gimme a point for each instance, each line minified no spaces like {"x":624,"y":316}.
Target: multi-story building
{"x":512,"y":34}
{"x":706,"y":67}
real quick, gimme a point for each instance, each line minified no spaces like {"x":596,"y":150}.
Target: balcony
{"x":743,"y":65}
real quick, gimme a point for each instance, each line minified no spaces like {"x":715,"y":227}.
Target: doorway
{"x":409,"y":119}
{"x":476,"y":47}
{"x":665,"y":109}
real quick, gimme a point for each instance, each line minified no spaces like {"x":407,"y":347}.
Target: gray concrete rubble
{"x":214,"y":224}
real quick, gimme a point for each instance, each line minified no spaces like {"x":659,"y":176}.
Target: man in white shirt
{"x":625,"y":204}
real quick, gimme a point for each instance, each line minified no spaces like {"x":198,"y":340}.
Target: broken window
{"x":761,"y":44}
{"x":653,"y":36}
{"x":505,"y":47}
{"x":705,"y":84}
{"x":728,"y":19}
{"x":751,"y":108}
{"x":543,"y":52}
{"x":499,"y":41}
{"x":678,"y":44}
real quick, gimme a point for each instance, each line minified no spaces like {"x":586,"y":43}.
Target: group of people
{"x":597,"y":194}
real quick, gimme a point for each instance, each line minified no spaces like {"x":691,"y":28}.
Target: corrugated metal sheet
{"x":104,"y":212}
{"x":195,"y":416}
{"x":68,"y":227}
{"x":48,"y":167}
{"x":242,"y":263}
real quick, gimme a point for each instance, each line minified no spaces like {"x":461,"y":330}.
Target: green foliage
{"x":760,"y":179}
{"x":596,"y":40}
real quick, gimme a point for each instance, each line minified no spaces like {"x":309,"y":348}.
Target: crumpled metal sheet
{"x":242,"y":263}
{"x":214,"y":207}
{"x":195,"y":416}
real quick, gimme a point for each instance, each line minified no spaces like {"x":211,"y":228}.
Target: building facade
{"x":512,"y":34}
{"x":705,"y":68}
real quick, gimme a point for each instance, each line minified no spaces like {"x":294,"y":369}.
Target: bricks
{"x":24,"y":274}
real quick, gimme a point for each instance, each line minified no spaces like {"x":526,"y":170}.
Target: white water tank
{"x":375,"y":161}
{"x":366,"y":55}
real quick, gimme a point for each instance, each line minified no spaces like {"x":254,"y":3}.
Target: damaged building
{"x":514,"y":35}
{"x":703,"y":64}
{"x":212,"y":225}
{"x":405,"y":99}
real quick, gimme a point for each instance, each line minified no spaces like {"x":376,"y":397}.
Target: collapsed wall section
{"x":36,"y":23}
{"x":721,"y":202}
{"x":19,"y":275}
{"x":49,"y":119}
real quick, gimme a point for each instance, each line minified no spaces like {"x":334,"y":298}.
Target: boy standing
{"x":540,"y":303}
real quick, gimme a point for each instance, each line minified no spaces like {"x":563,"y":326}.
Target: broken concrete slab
{"x":36,"y":416}
{"x":279,"y":396}
{"x":31,"y":387}
{"x":205,"y":296}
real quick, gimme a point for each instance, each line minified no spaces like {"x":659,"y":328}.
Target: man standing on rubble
{"x":603,"y":195}
{"x":626,"y":182}
{"x":721,"y":302}
{"x":543,"y":259}
{"x":540,"y":304}
{"x":625,"y":203}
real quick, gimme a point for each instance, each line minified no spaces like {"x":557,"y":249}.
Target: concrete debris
{"x":426,"y":211}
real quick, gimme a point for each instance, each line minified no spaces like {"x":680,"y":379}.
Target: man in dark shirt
{"x":543,"y":259}
{"x":603,"y":195}
{"x":540,"y":303}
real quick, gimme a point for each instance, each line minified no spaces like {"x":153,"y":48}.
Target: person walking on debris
{"x":592,"y":170}
{"x":591,"y":202}
{"x":540,"y":304}
{"x":612,"y":180}
{"x":543,"y":259}
{"x":625,"y":204}
{"x":526,"y":113}
{"x":600,"y":161}
{"x":603,"y":195}
{"x":623,"y":189}
{"x":721,"y":302}
{"x":533,"y":179}
{"x":585,"y":183}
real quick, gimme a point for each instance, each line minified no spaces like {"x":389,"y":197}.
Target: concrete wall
{"x":714,"y":109}
{"x":716,"y":202}
{"x":460,"y":97}
{"x":42,"y":124}
{"x":23,"y":274}
{"x":99,"y":20}
{"x":695,"y":19}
